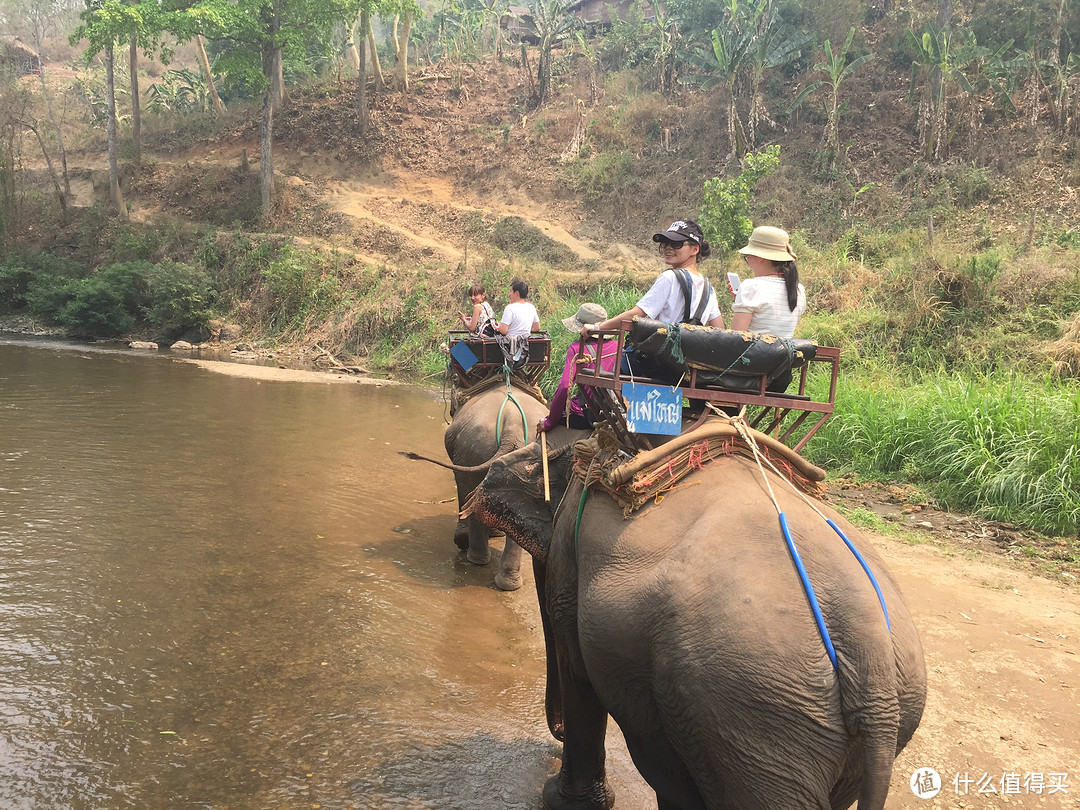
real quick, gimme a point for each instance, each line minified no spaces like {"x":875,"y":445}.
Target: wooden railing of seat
{"x":779,"y":415}
{"x":490,"y":358}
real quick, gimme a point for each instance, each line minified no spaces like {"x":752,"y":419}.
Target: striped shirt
{"x":765,"y":298}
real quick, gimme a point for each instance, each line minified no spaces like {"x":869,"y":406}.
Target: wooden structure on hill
{"x":19,"y":56}
{"x":601,"y":12}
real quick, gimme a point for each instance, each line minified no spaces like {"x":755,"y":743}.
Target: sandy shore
{"x":275,"y":374}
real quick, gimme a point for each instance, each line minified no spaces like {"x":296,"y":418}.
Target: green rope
{"x":510,"y":398}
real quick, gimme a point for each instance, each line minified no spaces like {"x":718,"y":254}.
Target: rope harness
{"x":510,"y":398}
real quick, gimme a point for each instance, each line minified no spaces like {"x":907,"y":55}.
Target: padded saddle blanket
{"x":728,"y":359}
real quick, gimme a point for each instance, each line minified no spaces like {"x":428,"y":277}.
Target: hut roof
{"x":15,"y":48}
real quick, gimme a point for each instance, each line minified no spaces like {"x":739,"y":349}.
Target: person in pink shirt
{"x":562,"y":405}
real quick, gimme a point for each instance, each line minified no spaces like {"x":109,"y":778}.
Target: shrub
{"x":181,"y":298}
{"x":725,"y":212}
{"x":106,"y":303}
{"x":15,"y":278}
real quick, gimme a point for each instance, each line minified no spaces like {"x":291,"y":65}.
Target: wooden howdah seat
{"x":701,"y":380}
{"x":474,"y":359}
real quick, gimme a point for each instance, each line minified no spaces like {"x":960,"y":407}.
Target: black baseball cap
{"x":680,"y":231}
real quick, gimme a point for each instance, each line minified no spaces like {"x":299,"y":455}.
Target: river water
{"x":224,"y":593}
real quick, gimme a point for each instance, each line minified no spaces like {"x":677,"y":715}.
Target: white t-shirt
{"x":765,"y":298}
{"x":519,"y":317}
{"x":665,"y":300}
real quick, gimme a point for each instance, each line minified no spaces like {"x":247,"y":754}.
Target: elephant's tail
{"x":479,"y":468}
{"x":878,"y":724}
{"x":879,"y":753}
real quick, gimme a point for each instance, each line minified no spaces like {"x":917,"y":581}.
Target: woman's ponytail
{"x":791,"y":281}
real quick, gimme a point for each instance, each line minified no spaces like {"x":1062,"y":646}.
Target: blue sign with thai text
{"x":653,"y":409}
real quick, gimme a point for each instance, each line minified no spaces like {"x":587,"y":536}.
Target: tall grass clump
{"x":1006,"y":449}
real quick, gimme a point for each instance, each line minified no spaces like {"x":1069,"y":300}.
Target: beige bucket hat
{"x":587,"y":313}
{"x":769,"y":243}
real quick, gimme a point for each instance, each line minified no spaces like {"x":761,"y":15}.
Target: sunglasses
{"x":674,"y":245}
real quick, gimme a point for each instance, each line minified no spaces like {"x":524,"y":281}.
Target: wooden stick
{"x":543,"y":451}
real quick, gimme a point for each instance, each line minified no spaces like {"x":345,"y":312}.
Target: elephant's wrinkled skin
{"x":687,"y":624}
{"x":471,"y":440}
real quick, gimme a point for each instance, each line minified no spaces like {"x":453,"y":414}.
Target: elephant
{"x":687,"y":625}
{"x":487,"y":425}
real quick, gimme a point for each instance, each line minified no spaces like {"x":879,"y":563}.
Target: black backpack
{"x":687,"y":285}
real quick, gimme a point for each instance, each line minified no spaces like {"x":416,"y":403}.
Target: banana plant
{"x":775,"y":45}
{"x":930,"y":51}
{"x":837,"y":68}
{"x":726,"y":61}
{"x":552,"y":23}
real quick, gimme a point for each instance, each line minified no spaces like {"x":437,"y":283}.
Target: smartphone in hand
{"x":733,"y":283}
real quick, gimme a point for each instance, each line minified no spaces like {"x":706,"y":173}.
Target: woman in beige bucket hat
{"x":773,"y":300}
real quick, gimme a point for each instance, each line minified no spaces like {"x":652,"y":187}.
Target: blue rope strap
{"x":866,"y":568}
{"x":809,"y":589}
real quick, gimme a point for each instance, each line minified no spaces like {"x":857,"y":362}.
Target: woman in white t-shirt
{"x":682,"y":245}
{"x":773,"y":300}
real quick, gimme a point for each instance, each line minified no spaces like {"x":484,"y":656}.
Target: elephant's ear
{"x":511,"y":496}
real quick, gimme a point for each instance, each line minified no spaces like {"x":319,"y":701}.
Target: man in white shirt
{"x":519,"y":318}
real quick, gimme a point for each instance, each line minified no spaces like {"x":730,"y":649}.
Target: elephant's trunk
{"x":495,"y":516}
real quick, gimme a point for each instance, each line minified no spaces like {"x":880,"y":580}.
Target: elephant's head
{"x":511,"y":496}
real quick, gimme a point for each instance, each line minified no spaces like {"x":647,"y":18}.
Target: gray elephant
{"x":687,"y":624}
{"x":487,"y":425}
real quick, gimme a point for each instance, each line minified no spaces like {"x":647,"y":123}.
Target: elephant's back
{"x":477,"y":428}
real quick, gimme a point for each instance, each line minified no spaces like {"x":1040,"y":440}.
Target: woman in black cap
{"x":682,"y":245}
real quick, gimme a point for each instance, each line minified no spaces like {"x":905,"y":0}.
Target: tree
{"x":837,"y":68}
{"x":725,"y":63}
{"x":775,"y":45}
{"x":42,"y":18}
{"x":104,"y":24}
{"x":208,"y":76}
{"x":258,"y":31}
{"x":928,"y":52}
{"x":725,"y":211}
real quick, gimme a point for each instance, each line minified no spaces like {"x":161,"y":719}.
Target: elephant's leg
{"x":581,"y":783}
{"x":509,"y":576}
{"x":662,"y":767}
{"x":479,"y":551}
{"x":465,"y":486}
{"x":461,"y":534}
{"x":553,"y":695}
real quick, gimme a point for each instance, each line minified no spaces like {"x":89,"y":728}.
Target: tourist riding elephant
{"x":687,"y":624}
{"x":488,"y":424}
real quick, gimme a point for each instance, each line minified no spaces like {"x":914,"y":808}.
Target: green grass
{"x":1002,"y":447}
